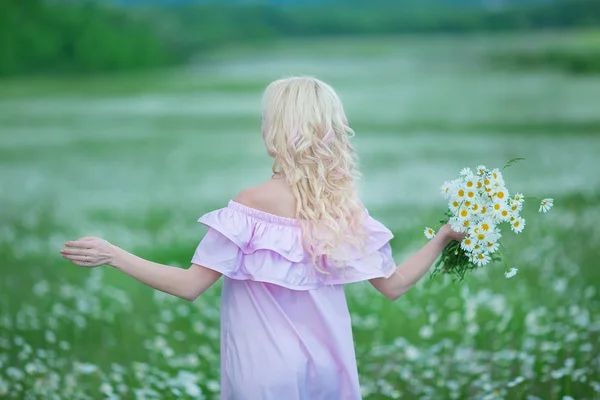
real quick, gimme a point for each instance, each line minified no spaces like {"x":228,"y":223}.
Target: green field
{"x":137,"y":159}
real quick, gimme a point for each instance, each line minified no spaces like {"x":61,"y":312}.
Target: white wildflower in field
{"x":479,"y":205}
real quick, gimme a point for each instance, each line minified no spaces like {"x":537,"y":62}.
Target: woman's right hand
{"x":89,"y":252}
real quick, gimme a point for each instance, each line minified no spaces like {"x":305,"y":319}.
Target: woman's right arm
{"x":410,"y":271}
{"x":187,"y":284}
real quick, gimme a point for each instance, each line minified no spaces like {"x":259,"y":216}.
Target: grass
{"x":138,"y":159}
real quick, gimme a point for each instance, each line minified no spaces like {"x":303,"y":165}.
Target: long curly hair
{"x":306,"y":132}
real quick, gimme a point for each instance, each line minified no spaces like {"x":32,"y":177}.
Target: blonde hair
{"x":306,"y":132}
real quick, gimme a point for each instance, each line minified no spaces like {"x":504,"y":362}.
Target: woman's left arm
{"x":187,"y":284}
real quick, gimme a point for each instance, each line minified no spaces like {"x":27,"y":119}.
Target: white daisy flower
{"x":475,"y":206}
{"x":459,"y":193}
{"x":515,"y":207}
{"x":486,"y":226}
{"x":472,"y":257}
{"x":496,"y":176}
{"x":497,"y":210}
{"x":466,"y":171}
{"x":477,"y":248}
{"x":492,"y":246}
{"x":484,"y":211}
{"x":546,"y":205}
{"x":517,"y":225}
{"x":470,"y":182}
{"x":482,"y":259}
{"x":481,"y":169}
{"x":467,"y":244}
{"x":464,"y":213}
{"x":519,"y":198}
{"x":511,"y":273}
{"x":501,"y":194}
{"x":456,"y":225}
{"x":446,"y":189}
{"x":429,"y":233}
{"x":453,"y":206}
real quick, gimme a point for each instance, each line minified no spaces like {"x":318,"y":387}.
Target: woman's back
{"x":285,"y":326}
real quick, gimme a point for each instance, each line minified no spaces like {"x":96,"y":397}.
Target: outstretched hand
{"x":88,"y":252}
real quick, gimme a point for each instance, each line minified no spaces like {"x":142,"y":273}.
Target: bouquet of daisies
{"x":479,"y":204}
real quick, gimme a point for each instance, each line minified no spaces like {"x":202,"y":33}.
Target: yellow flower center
{"x":543,"y":203}
{"x":467,"y":203}
{"x":490,"y":244}
{"x":504,"y":213}
{"x":463,"y":213}
{"x":480,"y":256}
{"x":485,"y":227}
{"x":481,"y":236}
{"x":479,"y":185}
{"x":483,"y":210}
{"x":500,"y":195}
{"x":516,"y":224}
{"x":466,"y":223}
{"x":475,"y":207}
{"x":514,"y":208}
{"x":495,"y":175}
{"x":496,"y":206}
{"x":486,"y":181}
{"x":461,"y":192}
{"x":470,"y":194}
{"x":468,"y":242}
{"x":469,"y":184}
{"x":430,"y":231}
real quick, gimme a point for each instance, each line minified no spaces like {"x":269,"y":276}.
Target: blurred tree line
{"x":84,"y":36}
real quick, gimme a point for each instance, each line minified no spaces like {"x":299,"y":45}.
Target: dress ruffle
{"x":244,"y":243}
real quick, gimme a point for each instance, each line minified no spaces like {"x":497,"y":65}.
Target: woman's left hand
{"x":449,"y":234}
{"x":88,"y":252}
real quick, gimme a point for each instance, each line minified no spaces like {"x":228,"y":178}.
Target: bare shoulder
{"x":273,"y":196}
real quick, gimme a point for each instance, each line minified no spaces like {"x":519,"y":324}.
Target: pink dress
{"x":285,"y":327}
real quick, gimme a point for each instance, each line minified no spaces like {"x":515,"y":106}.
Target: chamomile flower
{"x":504,"y":214}
{"x":546,"y":205}
{"x":501,"y":194}
{"x":519,"y":198}
{"x":517,"y":224}
{"x":446,"y":189}
{"x":459,"y":193}
{"x":475,"y":207}
{"x":471,"y":194}
{"x":481,"y":169}
{"x":467,"y":244}
{"x":453,"y":206}
{"x":492,"y":246}
{"x":466,"y":171}
{"x":464,"y":213}
{"x":429,"y":233}
{"x":496,"y":176}
{"x":497,"y":210}
{"x":477,"y":248}
{"x":481,"y":237}
{"x":470,"y":183}
{"x":515,"y":207}
{"x":457,"y":225}
{"x":482,"y":259}
{"x":511,"y":273}
{"x":484,"y":211}
{"x":486,"y":226}
{"x":472,"y":257}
